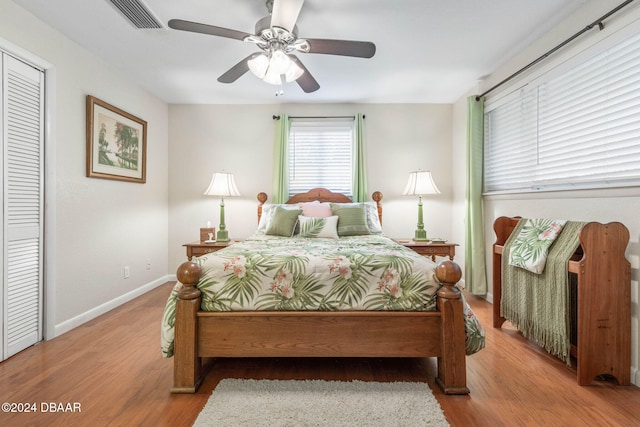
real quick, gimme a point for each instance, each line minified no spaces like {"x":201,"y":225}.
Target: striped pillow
{"x":352,"y":220}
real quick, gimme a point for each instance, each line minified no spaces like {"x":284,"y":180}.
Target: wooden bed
{"x":600,"y":301}
{"x":440,"y":333}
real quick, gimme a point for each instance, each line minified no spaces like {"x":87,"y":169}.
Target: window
{"x":576,"y":129}
{"x":321,"y":155}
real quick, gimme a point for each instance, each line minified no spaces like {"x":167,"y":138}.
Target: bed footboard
{"x":438,"y":334}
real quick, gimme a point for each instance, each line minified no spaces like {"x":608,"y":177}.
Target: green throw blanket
{"x":538,"y":304}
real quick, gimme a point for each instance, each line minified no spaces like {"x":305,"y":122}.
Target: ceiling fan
{"x":277,"y":37}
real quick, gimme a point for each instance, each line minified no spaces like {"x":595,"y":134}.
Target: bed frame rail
{"x":438,"y":334}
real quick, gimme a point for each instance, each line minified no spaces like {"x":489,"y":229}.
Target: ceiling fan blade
{"x":195,"y":27}
{"x":285,"y":13}
{"x":237,"y":71}
{"x":306,"y":80}
{"x":342,"y":47}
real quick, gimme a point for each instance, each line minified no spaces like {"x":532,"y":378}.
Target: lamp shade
{"x":259,"y":65}
{"x":222,"y":184}
{"x":420,"y":183}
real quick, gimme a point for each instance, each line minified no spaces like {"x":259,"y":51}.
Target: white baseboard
{"x":74,"y":322}
{"x":489,"y":297}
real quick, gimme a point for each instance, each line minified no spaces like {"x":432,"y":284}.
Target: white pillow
{"x":531,"y":246}
{"x":318,"y":226}
{"x":373,"y":220}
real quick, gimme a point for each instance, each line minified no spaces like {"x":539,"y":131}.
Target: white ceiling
{"x":428,"y":51}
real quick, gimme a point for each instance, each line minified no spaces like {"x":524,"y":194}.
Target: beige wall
{"x":597,"y":205}
{"x":93,"y":227}
{"x":400,"y":138}
{"x":96,"y":227}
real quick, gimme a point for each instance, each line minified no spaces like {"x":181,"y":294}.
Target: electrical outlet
{"x":148,"y":263}
{"x":126,"y":272}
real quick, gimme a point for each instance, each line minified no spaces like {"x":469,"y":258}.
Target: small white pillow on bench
{"x":530,"y":248}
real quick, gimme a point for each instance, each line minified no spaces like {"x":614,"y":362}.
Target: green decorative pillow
{"x":267,"y":213}
{"x":283,"y":222}
{"x":318,"y":226}
{"x":352,"y":220}
{"x":371,"y":210}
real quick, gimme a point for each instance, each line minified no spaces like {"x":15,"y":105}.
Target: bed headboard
{"x":322,"y":195}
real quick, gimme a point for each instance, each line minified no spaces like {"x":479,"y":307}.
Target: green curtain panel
{"x":280,"y":163}
{"x":475,"y":261}
{"x":359,"y":166}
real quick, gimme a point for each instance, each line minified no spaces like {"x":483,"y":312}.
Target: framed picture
{"x":116,"y":143}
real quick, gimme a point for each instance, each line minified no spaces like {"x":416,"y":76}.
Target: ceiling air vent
{"x":137,"y":13}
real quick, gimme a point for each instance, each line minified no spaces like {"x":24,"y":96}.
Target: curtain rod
{"x":597,"y":22}
{"x":318,"y":117}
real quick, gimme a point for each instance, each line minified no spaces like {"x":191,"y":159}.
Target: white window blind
{"x":579,"y":129}
{"x":321,"y":155}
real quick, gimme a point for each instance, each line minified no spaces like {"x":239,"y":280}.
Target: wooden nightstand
{"x":430,"y":249}
{"x":201,"y":248}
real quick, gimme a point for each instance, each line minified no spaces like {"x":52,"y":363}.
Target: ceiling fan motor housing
{"x":275,"y":38}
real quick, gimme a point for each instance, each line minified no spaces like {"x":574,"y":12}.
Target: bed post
{"x":262,"y":197}
{"x":452,"y":371}
{"x":187,"y":370}
{"x":377,"y":197}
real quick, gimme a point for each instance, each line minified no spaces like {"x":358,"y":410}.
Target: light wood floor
{"x":113,"y":369}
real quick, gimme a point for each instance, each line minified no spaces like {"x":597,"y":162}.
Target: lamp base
{"x":420,"y":236}
{"x":223,"y":236}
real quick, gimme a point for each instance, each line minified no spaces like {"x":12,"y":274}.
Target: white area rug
{"x":236,"y":402}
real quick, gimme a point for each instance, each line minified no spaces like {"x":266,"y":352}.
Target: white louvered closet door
{"x":22,"y":94}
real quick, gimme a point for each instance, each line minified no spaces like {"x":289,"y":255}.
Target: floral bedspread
{"x":282,"y":273}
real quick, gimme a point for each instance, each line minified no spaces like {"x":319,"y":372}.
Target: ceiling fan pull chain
{"x":280,"y":91}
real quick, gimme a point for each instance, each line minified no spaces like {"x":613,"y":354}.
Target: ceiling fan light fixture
{"x":291,"y":74}
{"x":271,"y":69}
{"x":279,"y":62}
{"x":272,"y":78}
{"x":259,"y":65}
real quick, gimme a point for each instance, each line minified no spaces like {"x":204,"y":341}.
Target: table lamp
{"x":224,"y":185}
{"x":420,"y":183}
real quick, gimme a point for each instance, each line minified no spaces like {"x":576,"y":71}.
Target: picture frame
{"x":116,"y":143}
